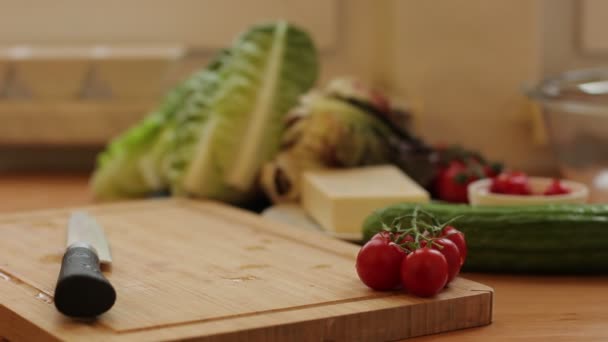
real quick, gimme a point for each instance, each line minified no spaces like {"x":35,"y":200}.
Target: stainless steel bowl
{"x":575,"y":109}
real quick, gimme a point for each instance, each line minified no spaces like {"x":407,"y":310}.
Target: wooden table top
{"x":527,"y":308}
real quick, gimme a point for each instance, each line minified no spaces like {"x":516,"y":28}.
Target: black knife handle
{"x":82,"y":290}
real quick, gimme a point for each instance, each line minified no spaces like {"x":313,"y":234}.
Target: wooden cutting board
{"x":184,"y":269}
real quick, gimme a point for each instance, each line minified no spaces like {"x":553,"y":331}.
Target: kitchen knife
{"x":82,"y":290}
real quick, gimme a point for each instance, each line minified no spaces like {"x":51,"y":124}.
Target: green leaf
{"x":222,"y":146}
{"x":136,"y":163}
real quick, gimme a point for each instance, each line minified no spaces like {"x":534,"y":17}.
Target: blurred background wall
{"x":460,"y":65}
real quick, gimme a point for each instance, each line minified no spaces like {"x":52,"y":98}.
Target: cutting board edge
{"x":9,"y":331}
{"x":339,"y":321}
{"x":342,"y":314}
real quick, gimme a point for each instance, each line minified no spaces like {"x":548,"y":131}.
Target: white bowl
{"x":479,"y":193}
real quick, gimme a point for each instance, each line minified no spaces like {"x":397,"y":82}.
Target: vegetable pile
{"x":415,"y":251}
{"x":211,"y":134}
{"x":241,"y":125}
{"x":249,"y":123}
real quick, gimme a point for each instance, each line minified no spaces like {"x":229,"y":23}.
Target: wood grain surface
{"x":526,"y":308}
{"x":195,"y":269}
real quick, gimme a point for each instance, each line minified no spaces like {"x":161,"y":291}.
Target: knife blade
{"x":82,"y":290}
{"x":83,"y":228}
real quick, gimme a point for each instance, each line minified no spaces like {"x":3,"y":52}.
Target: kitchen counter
{"x":529,"y":308}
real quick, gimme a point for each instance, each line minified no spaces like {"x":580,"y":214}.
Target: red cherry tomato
{"x":513,"y":183}
{"x":457,"y":237}
{"x":489,"y":172}
{"x":556,"y":188}
{"x":518,"y":184}
{"x":492,"y":170}
{"x":407,"y":238}
{"x":424,"y":272}
{"x":378,"y":264}
{"x":499,"y":184}
{"x":452,"y":255}
{"x":390,"y":237}
{"x":381,"y":236}
{"x":451,"y":184}
{"x":408,"y":247}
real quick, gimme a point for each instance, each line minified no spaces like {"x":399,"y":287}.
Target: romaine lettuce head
{"x":221,"y":147}
{"x":135,"y":164}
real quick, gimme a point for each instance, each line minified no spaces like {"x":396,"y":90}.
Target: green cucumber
{"x":558,"y":238}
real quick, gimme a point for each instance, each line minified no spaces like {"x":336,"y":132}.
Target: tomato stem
{"x":423,"y":226}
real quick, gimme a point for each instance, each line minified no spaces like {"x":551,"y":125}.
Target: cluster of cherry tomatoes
{"x":422,"y":259}
{"x":517,"y":183}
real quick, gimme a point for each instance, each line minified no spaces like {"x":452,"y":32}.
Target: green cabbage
{"x":220,"y":149}
{"x":136,"y":163}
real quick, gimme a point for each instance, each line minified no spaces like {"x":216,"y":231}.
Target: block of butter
{"x":340,"y":199}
